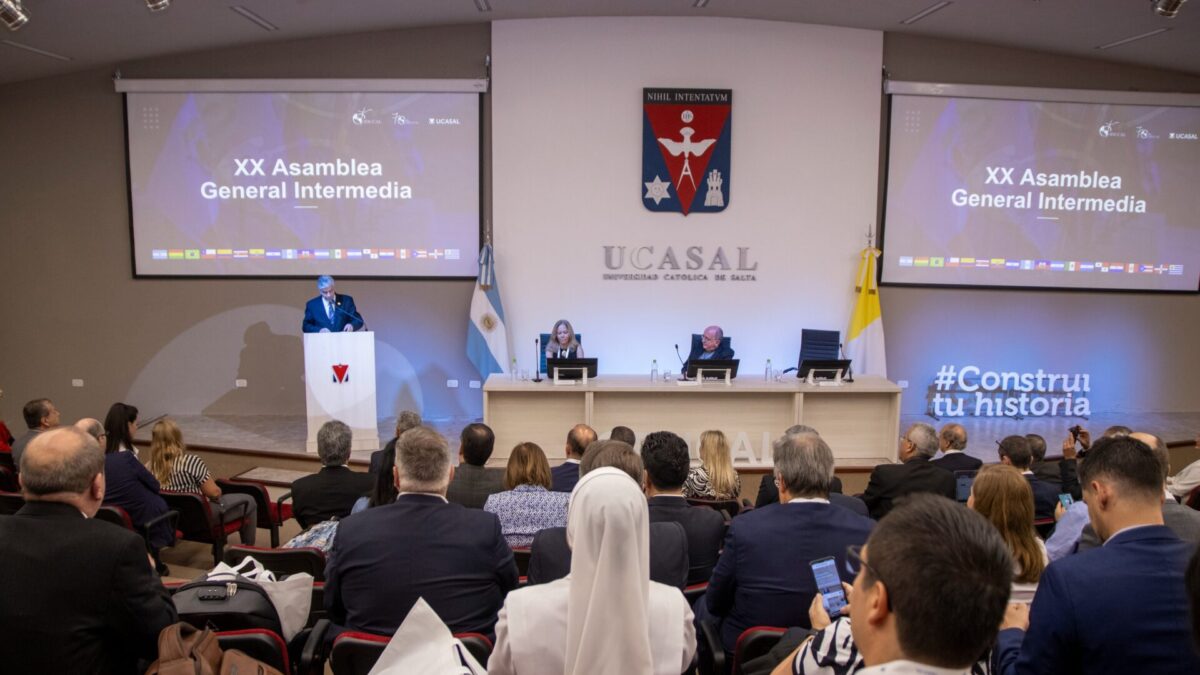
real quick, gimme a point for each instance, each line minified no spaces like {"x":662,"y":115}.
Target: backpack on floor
{"x":183,"y":650}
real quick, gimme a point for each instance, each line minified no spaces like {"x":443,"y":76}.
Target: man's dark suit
{"x":1183,"y":521}
{"x":472,"y":485}
{"x":77,"y":595}
{"x":564,"y":477}
{"x":1121,"y":608}
{"x":384,"y":558}
{"x":957,"y":461}
{"x":1063,"y":475}
{"x":890,"y":482}
{"x":768,"y":493}
{"x":550,"y":557}
{"x":763,"y":576}
{"x":315,"y":317}
{"x":705,"y":529}
{"x":1045,"y":497}
{"x":723,"y":352}
{"x":328,"y":494}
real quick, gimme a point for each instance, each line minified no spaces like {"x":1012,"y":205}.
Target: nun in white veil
{"x":606,"y":616}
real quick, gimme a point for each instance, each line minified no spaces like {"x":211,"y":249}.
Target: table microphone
{"x":850,"y":368}
{"x":681,"y":361}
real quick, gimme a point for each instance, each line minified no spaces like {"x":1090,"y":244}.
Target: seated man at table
{"x":710,"y":347}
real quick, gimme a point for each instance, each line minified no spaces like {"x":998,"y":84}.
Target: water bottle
{"x":512,"y":373}
{"x":767,"y":372}
{"x":654,"y":370}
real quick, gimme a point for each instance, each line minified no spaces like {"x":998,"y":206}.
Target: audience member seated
{"x":912,"y":609}
{"x":1188,"y":478}
{"x":1193,"y":590}
{"x":564,"y":476}
{"x":623,"y":434}
{"x":179,"y":471}
{"x":952,"y":440}
{"x":384,"y":558}
{"x":665,"y":457}
{"x":915,"y":473}
{"x":715,"y":477}
{"x":769,"y":494}
{"x":6,"y":437}
{"x":1003,"y":496}
{"x":131,"y":486}
{"x":1118,"y":608}
{"x":1183,"y":521}
{"x":120,"y":426}
{"x":473,"y":482}
{"x":1061,"y":474}
{"x":550,"y":554}
{"x":331,"y":492}
{"x":383,"y":485}
{"x":40,"y":415}
{"x":77,"y":595}
{"x":406,"y":420}
{"x":527,"y":506}
{"x":1014,"y":451}
{"x":763,"y":577}
{"x":608,"y":615}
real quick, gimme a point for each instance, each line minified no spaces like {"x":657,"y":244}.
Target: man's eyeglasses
{"x":855,"y":565}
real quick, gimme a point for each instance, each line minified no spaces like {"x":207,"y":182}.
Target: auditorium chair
{"x":258,"y":643}
{"x":271,"y":515}
{"x":521,"y":555}
{"x":197,"y":522}
{"x":11,"y":502}
{"x":728,"y":507}
{"x":694,"y":592}
{"x":1192,"y":499}
{"x":8,"y":477}
{"x":1044,"y":527}
{"x":355,"y":653}
{"x":751,"y":644}
{"x":281,"y":561}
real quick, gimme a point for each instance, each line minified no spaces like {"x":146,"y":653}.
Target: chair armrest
{"x":312,"y":659}
{"x":170,"y":517}
{"x":279,"y":505}
{"x":716,"y":649}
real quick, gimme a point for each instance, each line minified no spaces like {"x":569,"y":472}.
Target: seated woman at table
{"x":563,"y":343}
{"x":528,"y":506}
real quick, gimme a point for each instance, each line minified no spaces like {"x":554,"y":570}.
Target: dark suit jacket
{"x":550,"y":557}
{"x":384,"y":558}
{"x":890,"y":482}
{"x":131,"y":486}
{"x":1120,"y":608}
{"x":564,"y":477}
{"x":472,"y":485}
{"x":315,"y":317}
{"x":705,"y":528}
{"x":76,"y":595}
{"x":1184,"y":522}
{"x":330,"y":493}
{"x":769,"y":494}
{"x":721,"y":353}
{"x":1062,"y":475}
{"x":1045,"y":497}
{"x":957,"y":461}
{"x":763,"y":577}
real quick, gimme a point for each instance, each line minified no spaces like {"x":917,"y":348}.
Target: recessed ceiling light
{"x":13,"y":14}
{"x":1133,"y":38}
{"x":700,"y":4}
{"x":157,"y":5}
{"x":1167,"y":8}
{"x":483,"y":5}
{"x":254,"y":18}
{"x":926,"y":12}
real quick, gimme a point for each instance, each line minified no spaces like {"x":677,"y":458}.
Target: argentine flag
{"x":864,"y":340}
{"x":487,"y":337}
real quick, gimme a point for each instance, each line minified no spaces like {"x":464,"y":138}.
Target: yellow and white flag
{"x":864,"y":339}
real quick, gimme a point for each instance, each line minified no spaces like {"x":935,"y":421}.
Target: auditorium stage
{"x":283,"y":436}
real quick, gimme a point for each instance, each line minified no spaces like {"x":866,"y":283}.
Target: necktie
{"x":329,"y":309}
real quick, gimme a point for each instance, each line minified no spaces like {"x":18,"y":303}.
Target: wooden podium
{"x":339,"y":383}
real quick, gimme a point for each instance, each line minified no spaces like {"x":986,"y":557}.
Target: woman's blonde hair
{"x":527,"y":465}
{"x":166,"y":445}
{"x":714,"y":457}
{"x":1003,"y":496}
{"x":572,"y":341}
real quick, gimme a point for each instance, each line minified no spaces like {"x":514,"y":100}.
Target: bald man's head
{"x":578,"y":439}
{"x":92,"y":427}
{"x":63,"y":465}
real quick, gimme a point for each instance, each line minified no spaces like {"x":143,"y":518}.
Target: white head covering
{"x":608,"y":625}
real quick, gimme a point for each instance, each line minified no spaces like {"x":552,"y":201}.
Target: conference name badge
{"x":685,"y":149}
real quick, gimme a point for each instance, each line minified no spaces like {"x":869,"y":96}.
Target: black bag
{"x":226,"y":605}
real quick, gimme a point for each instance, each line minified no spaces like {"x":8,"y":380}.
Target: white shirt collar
{"x":1124,"y":530}
{"x":808,"y":500}
{"x":425,"y":494}
{"x":570,"y":460}
{"x":910,"y":668}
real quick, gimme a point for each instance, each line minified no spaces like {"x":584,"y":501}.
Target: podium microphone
{"x":682,"y":363}
{"x":849,"y":368}
{"x":537,"y":360}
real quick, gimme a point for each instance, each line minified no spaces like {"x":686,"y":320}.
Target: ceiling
{"x":94,"y":33}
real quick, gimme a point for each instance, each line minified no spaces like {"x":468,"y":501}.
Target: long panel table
{"x":859,"y":420}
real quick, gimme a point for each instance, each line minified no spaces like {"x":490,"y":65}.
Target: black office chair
{"x":819,"y":345}
{"x":544,"y":341}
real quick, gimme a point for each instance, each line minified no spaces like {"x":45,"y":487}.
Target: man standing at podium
{"x":330,"y":312}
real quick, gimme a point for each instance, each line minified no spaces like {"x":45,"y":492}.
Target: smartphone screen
{"x":829,"y":585}
{"x":1066,"y":499}
{"x":963,"y":480}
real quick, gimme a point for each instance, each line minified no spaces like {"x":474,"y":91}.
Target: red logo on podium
{"x":339,"y":373}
